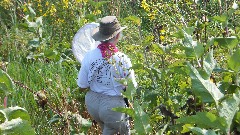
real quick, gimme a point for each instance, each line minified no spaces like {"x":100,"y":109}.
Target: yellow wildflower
{"x":162,"y":37}
{"x":97,"y":12}
{"x":25,"y":9}
{"x":152,"y":16}
{"x":47,"y":3}
{"x":6,"y":4}
{"x":162,"y":31}
{"x":53,"y":10}
{"x":65,"y":3}
{"x":145,"y":6}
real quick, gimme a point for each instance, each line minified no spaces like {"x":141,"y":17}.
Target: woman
{"x":101,"y":71}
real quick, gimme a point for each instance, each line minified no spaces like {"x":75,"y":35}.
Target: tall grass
{"x":57,"y":80}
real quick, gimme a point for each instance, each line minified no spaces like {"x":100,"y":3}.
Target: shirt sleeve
{"x":82,"y":80}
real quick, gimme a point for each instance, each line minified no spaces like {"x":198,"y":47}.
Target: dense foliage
{"x":185,"y":55}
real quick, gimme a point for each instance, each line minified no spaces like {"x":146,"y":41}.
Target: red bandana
{"x":107,"y":49}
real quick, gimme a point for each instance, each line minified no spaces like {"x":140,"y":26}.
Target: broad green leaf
{"x":192,"y":48}
{"x":186,"y":128}
{"x":234,"y":61}
{"x":198,"y":49}
{"x":199,"y":131}
{"x":189,"y":30}
{"x":229,"y":107}
{"x":179,"y":63}
{"x":141,"y":121}
{"x":16,"y":112}
{"x":6,"y":85}
{"x":54,"y":119}
{"x":157,"y":48}
{"x":34,"y":42}
{"x":130,"y":90}
{"x":204,"y":120}
{"x":206,"y":89}
{"x":178,"y":34}
{"x":209,"y":64}
{"x":2,"y":117}
{"x":156,"y":72}
{"x":17,"y":127}
{"x":222,"y":19}
{"x":134,"y":19}
{"x":228,"y":42}
{"x":128,"y":111}
{"x":32,"y":24}
{"x":39,"y":21}
{"x":50,"y":54}
{"x":32,"y":12}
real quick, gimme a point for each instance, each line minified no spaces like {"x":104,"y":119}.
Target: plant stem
{"x":237,"y":79}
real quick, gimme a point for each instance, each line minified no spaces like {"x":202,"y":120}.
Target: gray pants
{"x":99,"y":107}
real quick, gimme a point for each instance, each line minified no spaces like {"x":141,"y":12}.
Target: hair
{"x":112,"y":39}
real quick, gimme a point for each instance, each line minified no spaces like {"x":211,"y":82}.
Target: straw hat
{"x":109,"y":27}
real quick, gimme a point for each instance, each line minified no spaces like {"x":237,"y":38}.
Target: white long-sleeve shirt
{"x":101,"y":75}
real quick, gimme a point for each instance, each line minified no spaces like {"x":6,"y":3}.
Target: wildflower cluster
{"x":145,"y":6}
{"x":6,"y":4}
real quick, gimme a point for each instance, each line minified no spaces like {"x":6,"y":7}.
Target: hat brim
{"x":97,"y":36}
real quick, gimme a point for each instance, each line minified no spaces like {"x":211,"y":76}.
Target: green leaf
{"x":179,"y":63}
{"x":16,"y":112}
{"x":209,"y":64}
{"x":186,"y":128}
{"x":39,"y":21}
{"x":178,"y":34}
{"x":130,"y":90}
{"x":50,"y":54}
{"x":237,"y":119}
{"x":206,"y":89}
{"x":157,"y":48}
{"x":189,"y":30}
{"x":6,"y":85}
{"x":2,"y":117}
{"x":54,"y":119}
{"x":234,"y":61}
{"x":222,"y":19}
{"x":204,"y":120}
{"x":32,"y":12}
{"x":128,"y":111}
{"x":32,"y":24}
{"x":229,"y":107}
{"x":192,"y":48}
{"x":141,"y":121}
{"x":228,"y":42}
{"x":136,"y":20}
{"x":199,"y":131}
{"x":17,"y":127}
{"x":34,"y":42}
